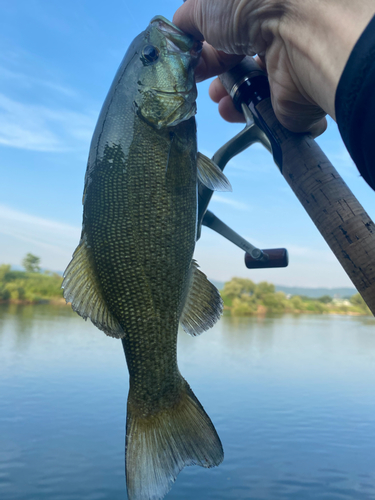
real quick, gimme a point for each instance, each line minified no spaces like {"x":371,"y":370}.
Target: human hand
{"x":236,"y":28}
{"x":299,"y":117}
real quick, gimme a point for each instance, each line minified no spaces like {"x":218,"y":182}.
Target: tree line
{"x":242,"y":297}
{"x":31,"y":285}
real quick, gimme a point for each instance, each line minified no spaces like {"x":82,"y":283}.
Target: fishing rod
{"x":338,"y":215}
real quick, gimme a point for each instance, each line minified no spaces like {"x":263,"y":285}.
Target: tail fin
{"x":160,"y":446}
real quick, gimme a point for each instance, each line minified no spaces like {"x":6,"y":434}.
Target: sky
{"x":57,"y":61}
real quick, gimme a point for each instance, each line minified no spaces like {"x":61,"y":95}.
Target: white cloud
{"x":26,"y":81}
{"x":228,"y":201}
{"x":21,"y":232}
{"x":35,"y":127}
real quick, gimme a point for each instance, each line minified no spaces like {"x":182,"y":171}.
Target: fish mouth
{"x":168,"y":26}
{"x":176,"y":38}
{"x":183,"y":93}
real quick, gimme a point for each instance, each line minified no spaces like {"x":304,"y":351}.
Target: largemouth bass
{"x":132,"y":273}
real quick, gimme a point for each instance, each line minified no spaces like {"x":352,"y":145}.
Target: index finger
{"x":214,"y":62}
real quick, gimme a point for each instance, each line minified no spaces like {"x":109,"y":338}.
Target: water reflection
{"x":292,"y":398}
{"x":246,"y":333}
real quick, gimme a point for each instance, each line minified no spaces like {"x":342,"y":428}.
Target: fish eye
{"x":150,"y":54}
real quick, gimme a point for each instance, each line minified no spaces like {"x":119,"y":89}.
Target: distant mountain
{"x":16,"y":267}
{"x":314,"y":293}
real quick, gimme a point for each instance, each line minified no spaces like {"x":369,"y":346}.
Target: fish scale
{"x":158,"y":222}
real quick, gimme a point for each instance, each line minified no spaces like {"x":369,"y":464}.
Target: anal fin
{"x":203,"y":304}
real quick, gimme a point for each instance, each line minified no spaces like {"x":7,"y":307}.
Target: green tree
{"x":263,"y":288}
{"x":16,"y":292}
{"x":31,"y":263}
{"x":357,"y":300}
{"x":296,"y":303}
{"x":4,"y":278}
{"x":275,"y":302}
{"x":4,"y":271}
{"x":237,"y":287}
{"x":244,"y":306}
{"x":325,"y":299}
{"x":315,"y":306}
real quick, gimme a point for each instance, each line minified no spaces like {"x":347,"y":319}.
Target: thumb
{"x":189,"y":18}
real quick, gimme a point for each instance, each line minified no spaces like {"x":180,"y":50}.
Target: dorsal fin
{"x":82,"y":289}
{"x":203,"y":304}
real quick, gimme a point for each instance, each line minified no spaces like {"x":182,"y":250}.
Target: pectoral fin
{"x":83,"y":291}
{"x":203,"y":304}
{"x":210,"y":174}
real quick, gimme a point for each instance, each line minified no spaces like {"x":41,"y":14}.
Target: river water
{"x":292,"y":398}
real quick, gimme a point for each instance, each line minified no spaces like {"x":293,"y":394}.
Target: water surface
{"x":292,"y":398}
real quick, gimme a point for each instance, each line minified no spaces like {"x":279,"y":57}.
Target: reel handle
{"x":275,"y":257}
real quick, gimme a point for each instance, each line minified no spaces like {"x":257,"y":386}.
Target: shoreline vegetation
{"x":242,"y":297}
{"x":29,"y":287}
